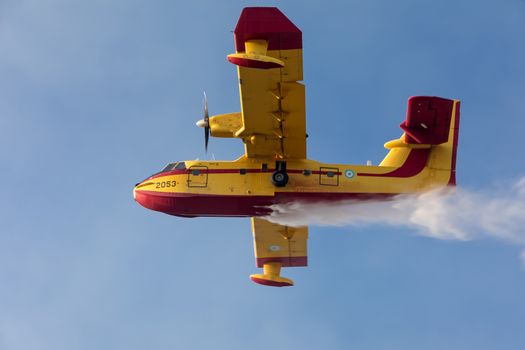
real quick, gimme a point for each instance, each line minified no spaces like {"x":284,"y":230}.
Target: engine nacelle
{"x":225,"y":125}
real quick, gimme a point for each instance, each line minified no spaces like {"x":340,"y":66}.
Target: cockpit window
{"x":168,"y":167}
{"x":174,"y":166}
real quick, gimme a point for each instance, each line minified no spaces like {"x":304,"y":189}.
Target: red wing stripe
{"x":270,"y":283}
{"x":285,"y":261}
{"x":267,"y":23}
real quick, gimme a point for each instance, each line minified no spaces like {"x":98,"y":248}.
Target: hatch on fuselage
{"x":198,"y":176}
{"x":328,"y":176}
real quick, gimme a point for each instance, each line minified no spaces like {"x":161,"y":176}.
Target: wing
{"x":270,"y":64}
{"x":277,"y":246}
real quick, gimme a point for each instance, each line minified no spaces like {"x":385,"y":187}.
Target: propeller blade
{"x":206,"y":116}
{"x":206,"y":138}
{"x":206,"y":123}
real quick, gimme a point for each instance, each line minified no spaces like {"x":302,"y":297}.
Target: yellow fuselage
{"x":243,"y":187}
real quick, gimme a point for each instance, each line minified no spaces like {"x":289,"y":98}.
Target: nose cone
{"x":149,"y":199}
{"x":201,"y":123}
{"x":139,"y":195}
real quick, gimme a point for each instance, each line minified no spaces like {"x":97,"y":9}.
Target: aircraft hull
{"x":193,"y":205}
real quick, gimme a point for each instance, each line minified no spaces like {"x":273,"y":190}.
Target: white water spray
{"x":454,"y":214}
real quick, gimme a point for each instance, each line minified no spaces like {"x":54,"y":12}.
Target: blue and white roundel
{"x":349,"y":173}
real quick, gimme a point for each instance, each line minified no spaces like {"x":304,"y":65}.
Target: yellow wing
{"x":277,"y":246}
{"x":270,"y":64}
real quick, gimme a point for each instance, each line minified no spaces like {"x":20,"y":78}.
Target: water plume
{"x":447,"y":213}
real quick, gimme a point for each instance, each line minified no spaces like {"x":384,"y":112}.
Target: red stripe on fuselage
{"x":413,"y":165}
{"x":235,"y":171}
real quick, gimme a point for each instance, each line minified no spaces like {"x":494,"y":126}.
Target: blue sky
{"x":96,"y":95}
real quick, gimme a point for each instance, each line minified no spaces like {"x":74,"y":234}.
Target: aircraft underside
{"x":191,"y":205}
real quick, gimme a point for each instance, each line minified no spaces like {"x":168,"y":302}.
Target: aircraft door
{"x":198,"y":176}
{"x":328,"y":176}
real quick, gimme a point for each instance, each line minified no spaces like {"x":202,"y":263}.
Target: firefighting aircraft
{"x":275,"y":168}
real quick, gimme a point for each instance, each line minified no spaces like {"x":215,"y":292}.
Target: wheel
{"x":279,"y":178}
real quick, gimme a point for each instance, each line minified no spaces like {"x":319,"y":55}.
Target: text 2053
{"x":164,"y":184}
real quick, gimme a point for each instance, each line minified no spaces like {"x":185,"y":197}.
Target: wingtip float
{"x":275,"y":168}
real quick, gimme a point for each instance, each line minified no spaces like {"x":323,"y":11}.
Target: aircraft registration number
{"x":164,"y":184}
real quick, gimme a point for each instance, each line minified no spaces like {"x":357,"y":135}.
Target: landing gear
{"x":279,"y":176}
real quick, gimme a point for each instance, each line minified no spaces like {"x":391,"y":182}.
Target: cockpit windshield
{"x":174,"y":166}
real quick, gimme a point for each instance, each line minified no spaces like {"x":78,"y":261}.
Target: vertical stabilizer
{"x":430,"y":139}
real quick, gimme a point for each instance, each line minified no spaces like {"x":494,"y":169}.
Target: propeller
{"x":205,"y":123}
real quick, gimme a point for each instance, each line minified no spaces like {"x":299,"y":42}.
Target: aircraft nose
{"x":140,"y":197}
{"x":151,"y":200}
{"x":136,"y":192}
